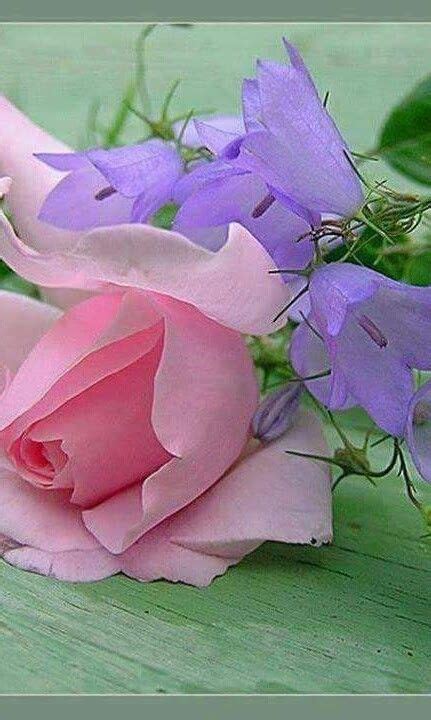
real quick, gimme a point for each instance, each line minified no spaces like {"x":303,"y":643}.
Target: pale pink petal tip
{"x":5,"y":185}
{"x":72,"y":565}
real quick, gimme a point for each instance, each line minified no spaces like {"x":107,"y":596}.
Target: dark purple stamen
{"x":373,"y":331}
{"x":105,"y":193}
{"x":263,"y":206}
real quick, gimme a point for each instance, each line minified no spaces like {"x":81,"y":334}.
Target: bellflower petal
{"x":251,"y":105}
{"x":314,"y":151}
{"x":373,"y":330}
{"x":234,"y":198}
{"x":110,"y":187}
{"x":64,"y":162}
{"x":213,"y":137}
{"x":291,"y":146}
{"x":72,"y":204}
{"x":136,"y":169}
{"x":231,"y":124}
{"x":202,"y":174}
{"x":310,"y":357}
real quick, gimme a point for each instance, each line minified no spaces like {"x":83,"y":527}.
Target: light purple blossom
{"x":107,"y":187}
{"x":214,"y":196}
{"x":276,"y":178}
{"x":418,"y":430}
{"x":369,"y":331}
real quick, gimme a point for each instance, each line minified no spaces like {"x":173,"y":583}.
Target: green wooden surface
{"x":351,"y":617}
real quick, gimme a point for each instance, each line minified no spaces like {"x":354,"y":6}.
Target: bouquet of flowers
{"x":181,"y":317}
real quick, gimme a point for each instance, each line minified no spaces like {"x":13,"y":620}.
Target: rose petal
{"x":43,"y":519}
{"x":155,"y":557}
{"x":233,"y":286}
{"x":23,"y":321}
{"x":72,"y":565}
{"x":97,"y":323}
{"x":32,"y":180}
{"x":20,"y":138}
{"x":123,"y":403}
{"x":268,"y":496}
{"x":5,"y":186}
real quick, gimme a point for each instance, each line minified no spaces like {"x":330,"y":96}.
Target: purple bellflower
{"x":366,"y":332}
{"x":279,"y":176}
{"x":107,"y":187}
{"x":418,"y":430}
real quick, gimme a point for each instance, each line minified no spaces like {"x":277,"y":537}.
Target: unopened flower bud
{"x":276,"y":412}
{"x":418,"y":430}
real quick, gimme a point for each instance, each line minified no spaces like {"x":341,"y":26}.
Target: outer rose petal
{"x":41,"y":519}
{"x":23,"y":321}
{"x":5,"y":185}
{"x":32,"y":180}
{"x":42,"y":532}
{"x":268,"y":496}
{"x":72,"y":565}
{"x":232,"y":286}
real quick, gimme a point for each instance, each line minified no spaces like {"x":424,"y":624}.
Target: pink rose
{"x":124,"y":422}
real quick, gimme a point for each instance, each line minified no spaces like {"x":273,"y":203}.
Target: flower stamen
{"x":372,"y":331}
{"x":263,"y":206}
{"x":105,"y":193}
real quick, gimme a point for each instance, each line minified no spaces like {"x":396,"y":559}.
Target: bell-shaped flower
{"x":276,"y":178}
{"x":364,"y":334}
{"x":418,"y":430}
{"x":126,"y":184}
{"x":108,"y":187}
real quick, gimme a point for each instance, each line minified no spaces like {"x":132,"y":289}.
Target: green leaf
{"x":14,"y":283}
{"x":418,"y":269}
{"x":405,"y":141}
{"x":4,"y":270}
